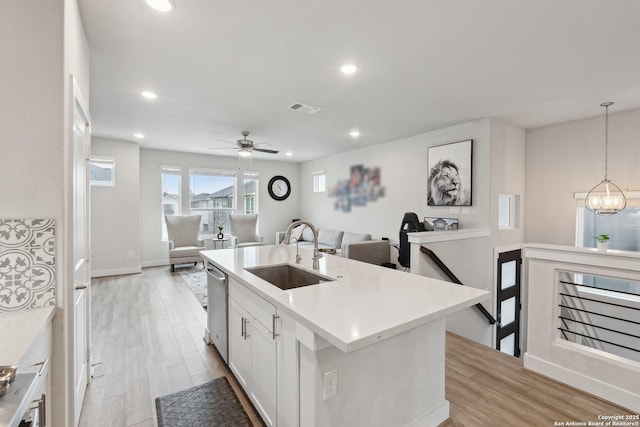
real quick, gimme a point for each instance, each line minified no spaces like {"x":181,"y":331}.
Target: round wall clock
{"x":279,"y":187}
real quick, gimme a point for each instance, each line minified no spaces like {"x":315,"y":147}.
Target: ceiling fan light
{"x":244,"y":152}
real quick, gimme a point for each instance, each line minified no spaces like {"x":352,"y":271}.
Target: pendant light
{"x":606,"y":198}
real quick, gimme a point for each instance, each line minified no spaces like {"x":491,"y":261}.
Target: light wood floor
{"x":148,"y":333}
{"x":148,"y":329}
{"x":489,"y":388}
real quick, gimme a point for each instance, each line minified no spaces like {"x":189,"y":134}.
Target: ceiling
{"x":221,"y":67}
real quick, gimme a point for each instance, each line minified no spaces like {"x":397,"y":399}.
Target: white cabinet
{"x":36,"y":358}
{"x":253,"y":348}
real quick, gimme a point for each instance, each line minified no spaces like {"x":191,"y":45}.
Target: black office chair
{"x":410,"y":224}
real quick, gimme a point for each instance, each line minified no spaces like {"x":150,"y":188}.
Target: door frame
{"x":77,"y":102}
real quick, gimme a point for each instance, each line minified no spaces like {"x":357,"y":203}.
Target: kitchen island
{"x":364,"y":348}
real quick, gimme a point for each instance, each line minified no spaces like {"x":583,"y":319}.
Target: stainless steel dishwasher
{"x":217,"y":318}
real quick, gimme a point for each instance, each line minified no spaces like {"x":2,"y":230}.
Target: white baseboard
{"x":435,"y":417}
{"x":155,"y":263}
{"x":609,"y":392}
{"x":116,"y":271}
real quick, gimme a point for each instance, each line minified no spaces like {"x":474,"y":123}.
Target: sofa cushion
{"x":307,"y":234}
{"x":354,"y":237}
{"x":185,"y":251}
{"x":371,"y":251}
{"x":332,"y":238}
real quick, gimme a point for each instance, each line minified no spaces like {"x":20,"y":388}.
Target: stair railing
{"x":442,"y":266}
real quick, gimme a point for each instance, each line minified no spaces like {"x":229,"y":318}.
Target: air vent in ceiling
{"x":309,"y":109}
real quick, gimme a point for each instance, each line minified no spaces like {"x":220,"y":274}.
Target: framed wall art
{"x":449,"y":174}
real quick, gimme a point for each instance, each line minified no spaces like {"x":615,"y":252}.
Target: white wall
{"x":115,"y":211}
{"x":42,"y":44}
{"x":403,"y":172}
{"x":569,"y":157}
{"x":273,"y":215}
{"x":31,"y":107}
{"x":498,"y":168}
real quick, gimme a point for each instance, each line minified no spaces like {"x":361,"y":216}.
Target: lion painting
{"x":444,"y":187}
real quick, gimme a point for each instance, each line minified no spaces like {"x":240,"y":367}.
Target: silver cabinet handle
{"x":41,"y":405}
{"x":80,"y":287}
{"x":42,"y":365}
{"x":246,"y":333}
{"x":242,"y":328}
{"x":273,"y":326}
{"x":42,"y":411}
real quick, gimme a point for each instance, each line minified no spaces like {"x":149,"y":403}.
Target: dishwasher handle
{"x":214,"y":273}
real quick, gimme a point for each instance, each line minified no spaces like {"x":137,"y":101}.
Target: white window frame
{"x":513,"y":221}
{"x":204,"y":211}
{"x":177,"y":172}
{"x":104,"y":160}
{"x":319,"y":179}
{"x":250,"y":176}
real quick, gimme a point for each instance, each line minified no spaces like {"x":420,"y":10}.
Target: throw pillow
{"x":296,"y":233}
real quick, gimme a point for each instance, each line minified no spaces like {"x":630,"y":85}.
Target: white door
{"x":81,"y":245}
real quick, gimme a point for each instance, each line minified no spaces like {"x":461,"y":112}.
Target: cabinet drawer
{"x":262,"y":310}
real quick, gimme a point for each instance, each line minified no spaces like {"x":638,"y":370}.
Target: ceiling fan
{"x":246,"y":146}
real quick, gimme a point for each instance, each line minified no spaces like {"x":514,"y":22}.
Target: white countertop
{"x":18,"y":330}
{"x":364,"y":304}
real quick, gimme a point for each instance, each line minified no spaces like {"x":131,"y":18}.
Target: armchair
{"x":184,"y":245}
{"x":243,"y":231}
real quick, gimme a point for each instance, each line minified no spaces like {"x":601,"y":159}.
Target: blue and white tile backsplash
{"x":27,"y":263}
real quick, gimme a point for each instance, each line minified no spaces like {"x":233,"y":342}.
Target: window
{"x":251,"y":192}
{"x":212,"y":195}
{"x":170,"y":176}
{"x":102,"y":171}
{"x":508,"y":211}
{"x":623,"y":228}
{"x":319,"y":179}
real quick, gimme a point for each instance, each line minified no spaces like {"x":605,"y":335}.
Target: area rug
{"x":197,"y":282}
{"x":210,"y":404}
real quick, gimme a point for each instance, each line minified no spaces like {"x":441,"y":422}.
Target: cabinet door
{"x":239,"y":332}
{"x":263,"y":348}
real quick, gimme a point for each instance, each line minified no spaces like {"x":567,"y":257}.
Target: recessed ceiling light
{"x":149,"y":95}
{"x":160,"y":5}
{"x":354,"y":133}
{"x":289,"y":153}
{"x":139,"y":135}
{"x":349,"y":68}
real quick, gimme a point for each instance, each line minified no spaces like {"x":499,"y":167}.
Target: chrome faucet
{"x":298,"y":257}
{"x":316,"y":252}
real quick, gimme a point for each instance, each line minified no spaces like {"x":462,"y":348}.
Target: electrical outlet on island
{"x":330,"y":388}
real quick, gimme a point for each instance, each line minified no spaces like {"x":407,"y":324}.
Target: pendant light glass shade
{"x":606,"y":198}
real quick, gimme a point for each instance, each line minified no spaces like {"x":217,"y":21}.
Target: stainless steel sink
{"x":287,"y":276}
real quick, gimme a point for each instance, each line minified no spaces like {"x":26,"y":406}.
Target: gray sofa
{"x":355,"y":246}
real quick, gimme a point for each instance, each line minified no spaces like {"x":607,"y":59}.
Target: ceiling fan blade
{"x":226,"y":141}
{"x":264,"y":150}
